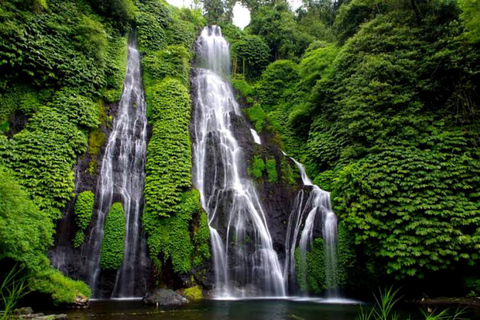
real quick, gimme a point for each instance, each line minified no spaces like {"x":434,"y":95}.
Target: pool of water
{"x":259,"y":309}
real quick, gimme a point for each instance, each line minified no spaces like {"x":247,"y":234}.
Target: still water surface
{"x":233,"y":310}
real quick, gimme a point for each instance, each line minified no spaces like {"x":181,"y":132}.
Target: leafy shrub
{"x":83,"y":210}
{"x":258,"y":116}
{"x":43,"y":155}
{"x":251,"y":56}
{"x":25,"y":230}
{"x":80,"y":110}
{"x":62,"y":289}
{"x":173,"y":61}
{"x":168,"y":154}
{"x":111,"y":253}
{"x":257,"y":167}
{"x":170,"y":236}
{"x":276,"y":80}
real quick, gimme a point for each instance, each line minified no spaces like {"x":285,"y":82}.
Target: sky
{"x":241,"y":15}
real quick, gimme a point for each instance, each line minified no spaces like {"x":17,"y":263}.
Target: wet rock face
{"x":164,"y":298}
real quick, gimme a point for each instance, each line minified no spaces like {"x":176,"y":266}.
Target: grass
{"x":386,"y":301}
{"x":12,"y":289}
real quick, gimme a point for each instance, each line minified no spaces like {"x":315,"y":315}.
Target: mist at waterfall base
{"x":245,"y":263}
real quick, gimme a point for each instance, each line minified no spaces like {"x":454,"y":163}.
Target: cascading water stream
{"x":245,"y":262}
{"x":318,"y":202}
{"x":122,"y":179}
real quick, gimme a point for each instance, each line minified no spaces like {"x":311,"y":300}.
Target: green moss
{"x":96,"y":140}
{"x":62,"y":289}
{"x":193,"y":293}
{"x":271,"y":166}
{"x":257,"y":167}
{"x":111,"y":253}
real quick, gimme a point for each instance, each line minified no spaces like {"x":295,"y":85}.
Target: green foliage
{"x":80,"y":110}
{"x":201,"y":239}
{"x":251,"y":56}
{"x":471,"y":18}
{"x":173,"y":61}
{"x":25,"y":230}
{"x":111,"y":253}
{"x":21,"y":98}
{"x":310,"y":270}
{"x":79,"y":239}
{"x":169,"y":237}
{"x":351,"y":15}
{"x":83,"y":210}
{"x":42,"y":156}
{"x":12,"y":289}
{"x":271,"y":166}
{"x":218,"y":10}
{"x":257,"y":167}
{"x":176,"y":228}
{"x":62,"y":289}
{"x":288,"y":173}
{"x":62,"y":47}
{"x":383,"y":309}
{"x":276,"y":81}
{"x":258,"y":116}
{"x":241,"y":85}
{"x":346,"y":257}
{"x":193,"y":293}
{"x":168,"y":155}
{"x":276,"y":25}
{"x":120,"y":12}
{"x":428,"y":197}
{"x":152,"y":19}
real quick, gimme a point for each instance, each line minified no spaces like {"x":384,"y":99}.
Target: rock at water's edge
{"x":164,"y":297}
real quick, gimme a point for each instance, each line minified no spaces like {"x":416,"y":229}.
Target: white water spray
{"x":318,"y":202}
{"x":122,"y":179}
{"x":246,"y":265}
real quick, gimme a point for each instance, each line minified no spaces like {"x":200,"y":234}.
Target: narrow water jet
{"x":121,"y":179}
{"x":245,"y":263}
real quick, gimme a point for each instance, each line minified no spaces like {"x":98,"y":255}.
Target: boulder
{"x":164,"y":298}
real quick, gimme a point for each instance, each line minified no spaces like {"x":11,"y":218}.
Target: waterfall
{"x":318,"y":202}
{"x":122,"y":179}
{"x":245,"y":262}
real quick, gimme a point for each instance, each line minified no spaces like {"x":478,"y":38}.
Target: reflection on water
{"x":263,"y":309}
{"x":218,"y":310}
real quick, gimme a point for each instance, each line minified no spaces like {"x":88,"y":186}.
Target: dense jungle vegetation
{"x":380,"y":100}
